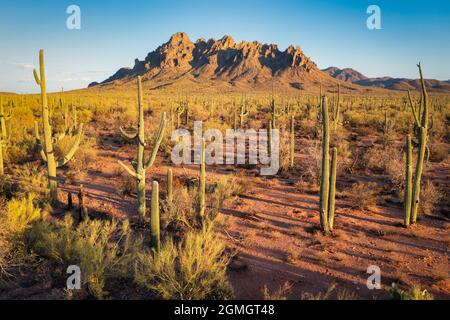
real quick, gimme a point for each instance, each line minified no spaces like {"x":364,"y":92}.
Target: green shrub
{"x":413,"y":293}
{"x":193,"y":270}
{"x":103,"y":250}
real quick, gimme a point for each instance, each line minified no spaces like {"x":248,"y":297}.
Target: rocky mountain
{"x":347,"y":74}
{"x":222,"y":63}
{"x":353,"y":76}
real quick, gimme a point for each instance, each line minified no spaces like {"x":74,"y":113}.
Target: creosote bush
{"x":103,"y":250}
{"x":362,"y":195}
{"x":195,"y":269}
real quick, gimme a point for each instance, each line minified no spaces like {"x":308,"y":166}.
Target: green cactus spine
{"x":154,"y":219}
{"x":408,"y":184}
{"x":332,"y":195}
{"x":46,"y":148}
{"x":202,"y":185}
{"x":169,"y":187}
{"x":139,"y":136}
{"x":325,"y":179}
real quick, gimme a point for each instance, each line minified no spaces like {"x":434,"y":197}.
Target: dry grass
{"x":362,"y":195}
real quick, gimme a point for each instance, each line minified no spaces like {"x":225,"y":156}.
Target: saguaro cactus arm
{"x":36,"y":77}
{"x":129,"y":136}
{"x":424,"y":119}
{"x":413,"y":109}
{"x":157,"y":143}
{"x":73,"y":149}
{"x":39,"y":142}
{"x":132,"y":172}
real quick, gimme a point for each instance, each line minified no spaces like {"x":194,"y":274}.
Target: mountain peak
{"x":180,"y":38}
{"x":225,"y":60}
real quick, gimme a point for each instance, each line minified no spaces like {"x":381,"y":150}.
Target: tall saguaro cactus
{"x":139,"y":137}
{"x":243,"y":113}
{"x":337,"y":109}
{"x":3,"y":134}
{"x":202,"y":184}
{"x":292,"y":146}
{"x":325,"y":179}
{"x":331,"y":198}
{"x":328,"y":180}
{"x":169,"y":187}
{"x":275,"y":113}
{"x":154,"y":219}
{"x":411,"y":204}
{"x":408,"y":184}
{"x":46,"y":148}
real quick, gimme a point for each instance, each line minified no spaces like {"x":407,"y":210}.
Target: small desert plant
{"x":280,"y":294}
{"x":413,"y":293}
{"x":31,"y":179}
{"x":16,"y":216}
{"x":342,"y":294}
{"x":362,"y":195}
{"x":193,"y":270}
{"x":103,"y":250}
{"x":430,"y":196}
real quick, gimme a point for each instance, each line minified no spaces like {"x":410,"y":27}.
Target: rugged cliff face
{"x":223,"y":60}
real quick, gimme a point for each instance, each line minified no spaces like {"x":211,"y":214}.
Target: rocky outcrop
{"x":222,"y":59}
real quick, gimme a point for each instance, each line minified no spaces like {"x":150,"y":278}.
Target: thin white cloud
{"x":25,"y":66}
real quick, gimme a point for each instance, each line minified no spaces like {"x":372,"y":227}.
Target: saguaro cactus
{"x":331,"y":198}
{"x":139,"y":137}
{"x":154,"y":219}
{"x":46,"y":148}
{"x":423,"y":132}
{"x":337,"y":109}
{"x":169,"y":187}
{"x":202,"y":185}
{"x":269,"y":138}
{"x":180,"y":110}
{"x":325,"y":179}
{"x":408,"y":184}
{"x":243,"y":113}
{"x":3,"y":134}
{"x":3,"y":118}
{"x":292,"y":147}
{"x":418,"y":174}
{"x":275,"y":114}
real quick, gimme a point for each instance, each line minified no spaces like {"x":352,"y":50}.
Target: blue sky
{"x":113,"y":33}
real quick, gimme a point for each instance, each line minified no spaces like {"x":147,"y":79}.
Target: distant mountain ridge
{"x":225,"y":64}
{"x":355,"y":77}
